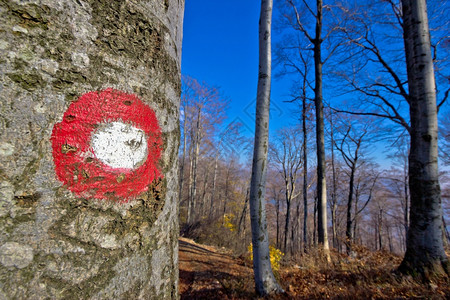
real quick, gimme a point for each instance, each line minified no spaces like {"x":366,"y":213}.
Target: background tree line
{"x":351,"y":88}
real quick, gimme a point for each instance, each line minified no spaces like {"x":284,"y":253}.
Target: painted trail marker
{"x":107,"y":146}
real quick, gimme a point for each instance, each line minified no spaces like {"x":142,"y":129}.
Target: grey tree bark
{"x":425,"y":253}
{"x":305,"y":175}
{"x":334,"y":190}
{"x":322,"y":222}
{"x":265,"y":282}
{"x":54,"y":245}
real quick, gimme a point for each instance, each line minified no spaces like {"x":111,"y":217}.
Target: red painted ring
{"x":75,"y":162}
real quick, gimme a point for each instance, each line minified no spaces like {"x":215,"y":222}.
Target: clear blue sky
{"x":220,"y":47}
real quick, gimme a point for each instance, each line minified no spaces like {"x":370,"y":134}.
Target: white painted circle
{"x":120,"y":145}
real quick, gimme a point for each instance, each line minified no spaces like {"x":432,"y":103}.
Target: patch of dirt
{"x":210,"y":273}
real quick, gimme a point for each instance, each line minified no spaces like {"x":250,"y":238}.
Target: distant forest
{"x":360,"y":49}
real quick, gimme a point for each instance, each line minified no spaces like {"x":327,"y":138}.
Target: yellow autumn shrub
{"x":275,"y":256}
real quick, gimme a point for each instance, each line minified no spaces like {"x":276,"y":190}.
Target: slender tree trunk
{"x":244,"y":213}
{"x":391,"y":244}
{"x":295,"y":238}
{"x":406,"y":191}
{"x":355,"y":218}
{"x":213,"y":192}
{"x":56,"y":243}
{"x":227,"y":182}
{"x":265,"y":282}
{"x":320,"y":138}
{"x":315,"y":222}
{"x":196,"y":152}
{"x":288,"y":194}
{"x":286,"y":225}
{"x":183,"y":160}
{"x":305,"y":170}
{"x":380,"y":229}
{"x":348,"y":228}
{"x":425,"y":253}
{"x":191,"y":172}
{"x":334,"y":193}
{"x":201,"y":210}
{"x":278,"y":221}
{"x":295,"y":231}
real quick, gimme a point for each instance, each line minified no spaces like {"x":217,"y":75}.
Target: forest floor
{"x":207,"y":272}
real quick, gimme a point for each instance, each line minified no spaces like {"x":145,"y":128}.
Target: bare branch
{"x":393,"y":119}
{"x":299,"y":23}
{"x":443,"y":99}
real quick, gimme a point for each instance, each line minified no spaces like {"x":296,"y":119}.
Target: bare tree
{"x":203,"y":112}
{"x":386,"y":95}
{"x":425,"y":250}
{"x":286,"y":155}
{"x":316,"y":40}
{"x":350,"y":148}
{"x":265,"y":282}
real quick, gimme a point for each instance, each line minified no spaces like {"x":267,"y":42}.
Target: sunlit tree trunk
{"x":425,"y":253}
{"x":213,"y":192}
{"x":183,"y":159}
{"x":322,"y":224}
{"x":55,"y":244}
{"x":288,"y":214}
{"x":277,"y":207}
{"x":191,"y":172}
{"x":305,"y":167}
{"x":195,"y":157}
{"x":334,"y":192}
{"x":265,"y":282}
{"x":241,"y":224}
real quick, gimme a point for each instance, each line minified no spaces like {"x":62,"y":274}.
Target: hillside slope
{"x":210,"y":273}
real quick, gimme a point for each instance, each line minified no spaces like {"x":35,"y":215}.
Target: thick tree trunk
{"x":54,"y":244}
{"x":322,"y":223}
{"x":425,"y":253}
{"x":265,"y":282}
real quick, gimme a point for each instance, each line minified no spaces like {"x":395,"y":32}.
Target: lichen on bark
{"x":53,"y":244}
